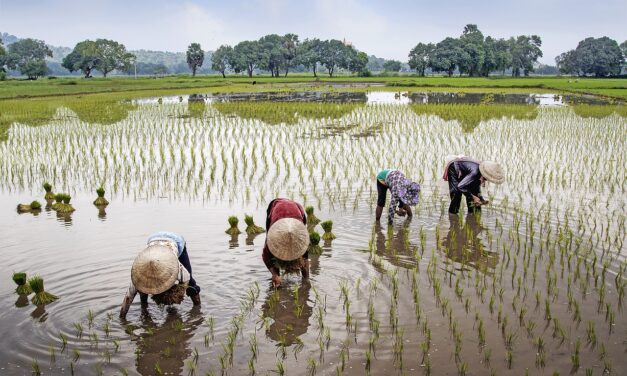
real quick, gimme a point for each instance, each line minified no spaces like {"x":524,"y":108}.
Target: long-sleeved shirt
{"x":467,"y":179}
{"x":172,"y":242}
{"x":278,"y":209}
{"x":401,"y":190}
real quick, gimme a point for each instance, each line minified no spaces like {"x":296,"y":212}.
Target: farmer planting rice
{"x":162,"y":270}
{"x":287,"y":240}
{"x":466,"y":176}
{"x":405,"y":193}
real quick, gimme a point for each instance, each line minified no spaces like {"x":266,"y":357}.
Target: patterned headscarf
{"x":409,"y":192}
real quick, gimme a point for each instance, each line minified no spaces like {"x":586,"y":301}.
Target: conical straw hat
{"x":492,"y":172}
{"x":288,"y":239}
{"x":155,"y":269}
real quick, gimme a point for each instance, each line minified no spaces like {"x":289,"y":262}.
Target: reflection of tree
{"x":285,"y":112}
{"x":470,"y":116}
{"x":196,"y":108}
{"x":463,"y":245}
{"x":100,"y":112}
{"x":395,"y":247}
{"x":290,"y":311}
{"x":167,"y":344}
{"x":598,"y":111}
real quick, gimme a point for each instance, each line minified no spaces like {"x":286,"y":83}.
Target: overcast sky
{"x":384,"y":28}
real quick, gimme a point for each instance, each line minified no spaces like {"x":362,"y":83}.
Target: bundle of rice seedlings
{"x":174,"y":295}
{"x":65,"y":207}
{"x":22,"y":287}
{"x":58,"y":201}
{"x":289,"y":267}
{"x":25,"y":208}
{"x":41,"y":297}
{"x":314,"y":247}
{"x":312,"y":220}
{"x":327,"y":226}
{"x":48,"y":188}
{"x":251,"y":227}
{"x":100,"y":200}
{"x":233,"y":230}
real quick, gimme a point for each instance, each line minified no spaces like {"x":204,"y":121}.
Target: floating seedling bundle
{"x":26,"y":208}
{"x":62,"y":203}
{"x":327,"y":226}
{"x":251,"y":227}
{"x":312,"y":220}
{"x":41,"y":296}
{"x":100,"y":200}
{"x":48,"y":188}
{"x":233,"y":230}
{"x":314,"y":241}
{"x":174,"y":295}
{"x":23,"y":288}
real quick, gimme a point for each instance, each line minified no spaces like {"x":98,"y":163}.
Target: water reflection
{"x":395,"y":247}
{"x":22,"y":301}
{"x":165,"y":345}
{"x":290,"y":312}
{"x":102,"y":213}
{"x":234,"y":241}
{"x":40,"y":313}
{"x":64,"y":218}
{"x":463,"y":244}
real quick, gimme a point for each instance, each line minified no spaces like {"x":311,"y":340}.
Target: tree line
{"x":471,"y":54}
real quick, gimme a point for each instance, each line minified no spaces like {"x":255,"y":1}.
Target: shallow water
{"x":164,"y":167}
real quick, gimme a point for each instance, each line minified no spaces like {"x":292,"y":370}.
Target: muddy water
{"x":380,"y":300}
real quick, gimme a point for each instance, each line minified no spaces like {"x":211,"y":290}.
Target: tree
{"x":446,"y":56}
{"x":419,"y":57}
{"x":623,"y":47}
{"x":333,"y":55}
{"x":111,"y":56}
{"x":246,"y":56}
{"x":599,"y":56}
{"x":502,"y":55}
{"x":472,"y":44}
{"x":392,"y":66}
{"x":309,"y":54}
{"x":84,"y":57}
{"x":525,"y":50}
{"x":221,"y":58}
{"x":358,"y":62}
{"x":28,"y":55}
{"x":271,"y":53}
{"x":3,"y":53}
{"x":567,"y":63}
{"x":289,"y":50}
{"x":195,"y":57}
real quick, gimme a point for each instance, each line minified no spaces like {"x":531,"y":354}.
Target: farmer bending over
{"x":466,"y":176}
{"x":163,"y":270}
{"x":405,"y":193}
{"x":287,"y":240}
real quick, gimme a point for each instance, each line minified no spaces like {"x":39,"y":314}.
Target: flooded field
{"x":535,"y":285}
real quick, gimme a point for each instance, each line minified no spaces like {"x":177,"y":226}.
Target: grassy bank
{"x":13,"y":89}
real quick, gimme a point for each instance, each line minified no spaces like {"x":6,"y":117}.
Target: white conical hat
{"x":492,"y":172}
{"x":288,"y":239}
{"x":155,"y":269}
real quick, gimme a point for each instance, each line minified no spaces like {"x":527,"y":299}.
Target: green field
{"x":11,"y":89}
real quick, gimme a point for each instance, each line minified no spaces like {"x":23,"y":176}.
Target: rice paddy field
{"x":533,"y":286}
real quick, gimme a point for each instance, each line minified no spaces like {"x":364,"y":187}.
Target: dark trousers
{"x":382,"y":193}
{"x":184,"y":260}
{"x":456,"y":194}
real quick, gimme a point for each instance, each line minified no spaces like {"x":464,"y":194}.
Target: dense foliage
{"x":28,"y":55}
{"x":195,"y":57}
{"x":102,"y":54}
{"x":595,"y":56}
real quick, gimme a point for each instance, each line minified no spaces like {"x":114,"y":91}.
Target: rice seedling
{"x":314,"y":244}
{"x":35,"y":367}
{"x":312,"y":220}
{"x":22,"y":287}
{"x":48,"y":189}
{"x":41,"y":296}
{"x":33,"y":207}
{"x":233,"y":229}
{"x":251,"y":227}
{"x":100,"y":200}
{"x":327,"y":226}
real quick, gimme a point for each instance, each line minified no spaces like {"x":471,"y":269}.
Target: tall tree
{"x":358,"y":62}
{"x":28,"y":55}
{"x":333,"y":55}
{"x":525,"y":51}
{"x":271,"y":53}
{"x":392,"y":66}
{"x":112,"y":55}
{"x":502,"y":55}
{"x":419,"y":57}
{"x":290,"y":50}
{"x":246,"y":56}
{"x":567,"y":63}
{"x":446,"y":56}
{"x":195,"y":57}
{"x":472,"y":44}
{"x":599,"y":56}
{"x":3,"y":53}
{"x":221,"y":58}
{"x":309,"y":54}
{"x":84,"y":57}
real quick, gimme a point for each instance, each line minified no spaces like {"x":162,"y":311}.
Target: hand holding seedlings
{"x":163,"y":270}
{"x":287,"y":241}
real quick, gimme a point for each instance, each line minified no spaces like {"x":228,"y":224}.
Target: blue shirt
{"x":164,"y":235}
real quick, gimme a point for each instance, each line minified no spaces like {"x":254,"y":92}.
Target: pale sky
{"x":386,"y":29}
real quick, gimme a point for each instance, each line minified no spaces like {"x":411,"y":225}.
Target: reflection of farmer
{"x":465,"y":177}
{"x":287,"y":240}
{"x":166,"y":345}
{"x":163,"y":270}
{"x":462,"y":243}
{"x":405,"y":193}
{"x":290,"y":315}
